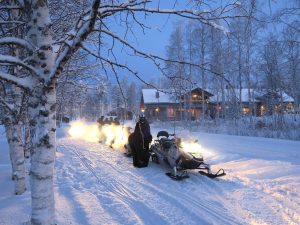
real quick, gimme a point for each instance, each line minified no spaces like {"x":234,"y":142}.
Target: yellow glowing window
{"x":245,"y":110}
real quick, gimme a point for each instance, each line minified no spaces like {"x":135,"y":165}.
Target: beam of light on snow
{"x":112,"y":135}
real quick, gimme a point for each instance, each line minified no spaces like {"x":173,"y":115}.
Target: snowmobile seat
{"x":166,"y":142}
{"x":162,"y":133}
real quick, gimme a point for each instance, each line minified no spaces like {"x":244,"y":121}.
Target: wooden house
{"x":264,"y":102}
{"x":167,"y":105}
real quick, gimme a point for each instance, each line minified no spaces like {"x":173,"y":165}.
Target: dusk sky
{"x":155,"y":39}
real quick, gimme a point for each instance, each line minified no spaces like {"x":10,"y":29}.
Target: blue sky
{"x":153,"y":40}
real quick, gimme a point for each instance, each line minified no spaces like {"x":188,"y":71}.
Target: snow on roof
{"x":230,"y":94}
{"x":287,"y":98}
{"x":150,"y":96}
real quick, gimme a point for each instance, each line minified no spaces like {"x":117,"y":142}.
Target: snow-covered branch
{"x":16,"y":41}
{"x":9,"y":7}
{"x":11,"y":21}
{"x":83,"y":27}
{"x":16,"y":61}
{"x":21,"y":82}
{"x":6,"y":105}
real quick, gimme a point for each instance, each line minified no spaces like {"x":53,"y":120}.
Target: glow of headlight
{"x":77,"y":129}
{"x":192,"y":147}
{"x":93,"y":133}
{"x":116,"y":136}
{"x":81,"y":130}
{"x":113,"y":135}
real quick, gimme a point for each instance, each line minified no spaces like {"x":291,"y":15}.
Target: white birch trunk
{"x":8,"y":131}
{"x":14,"y":134}
{"x":42,"y":164}
{"x":28,"y":140}
{"x":42,"y":114}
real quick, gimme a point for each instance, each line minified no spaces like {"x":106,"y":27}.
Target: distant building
{"x":264,"y":102}
{"x":121,"y":113}
{"x":166,"y":104}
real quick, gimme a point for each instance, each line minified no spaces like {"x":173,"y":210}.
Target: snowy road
{"x":127,"y":195}
{"x":98,"y":185}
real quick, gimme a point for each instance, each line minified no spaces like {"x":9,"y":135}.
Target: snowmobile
{"x":169,"y":150}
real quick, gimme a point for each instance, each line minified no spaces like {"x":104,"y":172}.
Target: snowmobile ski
{"x":220,"y":173}
{"x":181,"y":176}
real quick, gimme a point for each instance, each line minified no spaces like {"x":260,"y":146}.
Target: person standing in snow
{"x":139,"y":142}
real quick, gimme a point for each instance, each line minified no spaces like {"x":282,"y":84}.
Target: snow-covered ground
{"x":97,"y":185}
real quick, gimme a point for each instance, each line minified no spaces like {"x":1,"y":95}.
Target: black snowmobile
{"x":170,"y":151}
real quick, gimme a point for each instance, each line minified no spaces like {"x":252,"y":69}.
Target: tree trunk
{"x":14,"y":137}
{"x":203,"y":73}
{"x":42,"y":161}
{"x":28,"y":139}
{"x":8,"y":131}
{"x":42,"y":114}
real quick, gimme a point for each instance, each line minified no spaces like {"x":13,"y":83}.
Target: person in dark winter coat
{"x":139,"y":142}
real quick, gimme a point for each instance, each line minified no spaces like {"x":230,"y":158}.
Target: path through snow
{"x":98,"y":185}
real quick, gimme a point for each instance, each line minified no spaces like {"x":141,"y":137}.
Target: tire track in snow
{"x":259,"y":206}
{"x":115,"y":188}
{"x":101,"y":189}
{"x":185,"y":206}
{"x":114,"y":196}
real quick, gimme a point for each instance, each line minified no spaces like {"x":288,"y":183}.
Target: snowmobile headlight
{"x":193,"y":149}
{"x":197,"y":155}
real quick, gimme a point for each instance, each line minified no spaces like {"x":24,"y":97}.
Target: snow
{"x":244,"y":95}
{"x":98,"y":185}
{"x":23,"y":82}
{"x":15,"y":60}
{"x":18,"y":41}
{"x":149,"y":96}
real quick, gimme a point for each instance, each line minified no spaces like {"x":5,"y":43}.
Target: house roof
{"x":230,"y":94}
{"x":150,"y":96}
{"x":255,"y":95}
{"x":287,"y":98}
{"x":198,"y":89}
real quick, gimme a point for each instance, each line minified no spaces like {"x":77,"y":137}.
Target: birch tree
{"x":13,"y":100}
{"x":201,"y":39}
{"x":47,"y":53}
{"x":292,"y":65}
{"x":176,"y":72}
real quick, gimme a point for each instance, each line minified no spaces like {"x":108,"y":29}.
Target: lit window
{"x":171,"y":112}
{"x":245,"y":110}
